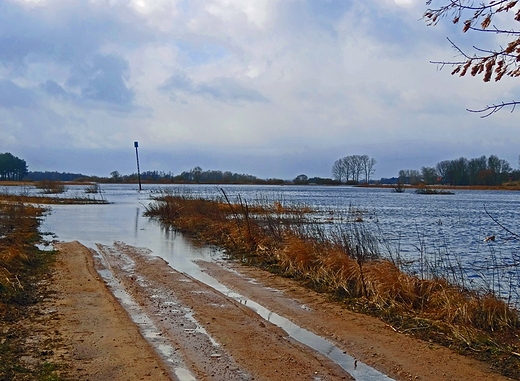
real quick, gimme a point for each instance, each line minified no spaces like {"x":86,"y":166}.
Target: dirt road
{"x":190,"y":331}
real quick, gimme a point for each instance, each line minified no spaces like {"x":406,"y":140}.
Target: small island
{"x":426,"y":190}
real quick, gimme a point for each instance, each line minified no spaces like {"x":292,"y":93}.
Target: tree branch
{"x":489,"y":110}
{"x":496,"y":30}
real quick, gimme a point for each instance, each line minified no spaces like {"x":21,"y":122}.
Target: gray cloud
{"x":54,"y":89}
{"x":102,"y":79}
{"x":220,"y":89}
{"x":64,"y":31}
{"x":337,"y":77}
{"x":14,"y":96}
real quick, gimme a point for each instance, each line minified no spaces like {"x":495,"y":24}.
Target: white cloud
{"x":405,"y":2}
{"x":257,"y":13}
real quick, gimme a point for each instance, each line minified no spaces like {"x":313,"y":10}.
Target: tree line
{"x":195,"y":175}
{"x":52,"y":176}
{"x":462,"y":171}
{"x":353,"y":169}
{"x":12,"y":168}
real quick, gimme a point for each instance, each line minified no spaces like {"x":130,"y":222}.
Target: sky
{"x":270,"y":88}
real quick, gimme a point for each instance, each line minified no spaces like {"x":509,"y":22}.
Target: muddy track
{"x":199,"y":333}
{"x":214,"y":336}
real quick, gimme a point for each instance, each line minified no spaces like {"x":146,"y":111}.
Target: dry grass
{"x":19,"y":258}
{"x":50,"y":186}
{"x":22,"y":266}
{"x":345,"y":263}
{"x":46,"y":200}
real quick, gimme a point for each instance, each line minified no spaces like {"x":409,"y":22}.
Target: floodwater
{"x":122,"y":220}
{"x":445,"y":229}
{"x":428,"y":235}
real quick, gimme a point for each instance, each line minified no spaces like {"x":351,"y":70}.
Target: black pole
{"x":136,"y":144}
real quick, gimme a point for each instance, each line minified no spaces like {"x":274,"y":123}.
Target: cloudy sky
{"x":271,"y":88}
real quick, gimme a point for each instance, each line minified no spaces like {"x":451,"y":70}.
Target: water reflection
{"x":137,"y":214}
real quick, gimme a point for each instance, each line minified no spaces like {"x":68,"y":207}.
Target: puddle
{"x":184,"y":375}
{"x":199,"y":328}
{"x":148,"y":328}
{"x":357,"y":369}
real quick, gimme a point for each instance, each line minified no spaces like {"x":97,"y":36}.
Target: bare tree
{"x":338,"y":170}
{"x":429,"y":175}
{"x":409,"y":176}
{"x":196,"y":173}
{"x":348,"y":166}
{"x":353,"y":166}
{"x":443,"y":168}
{"x":495,"y":62}
{"x":357,"y":167}
{"x":368,"y":167}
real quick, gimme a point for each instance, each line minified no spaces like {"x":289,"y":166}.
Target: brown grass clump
{"x":18,"y":234}
{"x":50,"y":186}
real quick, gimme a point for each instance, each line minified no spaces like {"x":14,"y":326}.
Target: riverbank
{"x":515,"y":186}
{"x":82,"y":329}
{"x":506,"y":186}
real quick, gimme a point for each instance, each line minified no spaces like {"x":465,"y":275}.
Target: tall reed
{"x":50,"y":186}
{"x":343,"y":259}
{"x":19,"y":257}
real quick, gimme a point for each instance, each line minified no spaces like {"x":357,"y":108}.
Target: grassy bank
{"x":24,"y":272}
{"x":344,"y":261}
{"x":22,"y":268}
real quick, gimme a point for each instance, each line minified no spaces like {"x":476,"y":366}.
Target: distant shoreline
{"x":513,"y":187}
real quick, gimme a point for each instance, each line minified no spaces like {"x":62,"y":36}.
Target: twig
{"x":499,"y":224}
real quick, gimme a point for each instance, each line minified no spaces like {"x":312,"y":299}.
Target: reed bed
{"x":50,"y":186}
{"x":19,"y":258}
{"x":344,"y":261}
{"x":47,"y":200}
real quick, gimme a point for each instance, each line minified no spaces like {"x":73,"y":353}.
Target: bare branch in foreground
{"x":490,"y":110}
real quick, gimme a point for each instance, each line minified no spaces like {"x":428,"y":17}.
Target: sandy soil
{"x":189,"y":331}
{"x":99,"y":341}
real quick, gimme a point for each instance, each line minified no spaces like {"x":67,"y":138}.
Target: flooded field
{"x":422,"y":230}
{"x":432,"y":235}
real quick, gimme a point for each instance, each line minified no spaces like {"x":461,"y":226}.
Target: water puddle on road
{"x":143,"y":321}
{"x":357,"y":369}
